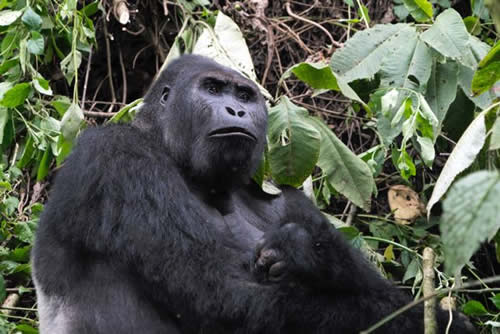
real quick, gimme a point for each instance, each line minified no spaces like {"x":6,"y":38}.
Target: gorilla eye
{"x":164,"y":94}
{"x":213,"y":89}
{"x":244,"y":96}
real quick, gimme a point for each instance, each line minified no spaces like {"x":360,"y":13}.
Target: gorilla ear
{"x":164,"y":94}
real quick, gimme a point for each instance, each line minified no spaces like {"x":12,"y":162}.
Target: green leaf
{"x":496,"y":300}
{"x":42,"y":86}
{"x":26,"y":329}
{"x":294,"y":143}
{"x":488,"y":71}
{"x":461,"y":157}
{"x":421,"y":10}
{"x":16,"y":95}
{"x":61,"y":104}
{"x":70,"y":64}
{"x":363,"y":54}
{"x":442,"y":88}
{"x":63,"y":149}
{"x":408,"y":67}
{"x":44,"y":166}
{"x":7,"y":17}
{"x":4,"y":117}
{"x":228,"y":47}
{"x":426,"y":150}
{"x":473,"y":25}
{"x":316,"y":75}
{"x":71,"y":121}
{"x":405,"y":165}
{"x":474,"y":308}
{"x":27,"y":155}
{"x":36,"y":44}
{"x":470,"y":216}
{"x":447,"y":35}
{"x":495,"y":135}
{"x":344,"y":170}
{"x":24,"y":233}
{"x":31,"y":19}
{"x":412,"y":270}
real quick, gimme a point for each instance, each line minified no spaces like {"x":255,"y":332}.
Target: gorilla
{"x":157,"y":227}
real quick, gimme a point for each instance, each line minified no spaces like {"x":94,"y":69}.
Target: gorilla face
{"x":212,"y":119}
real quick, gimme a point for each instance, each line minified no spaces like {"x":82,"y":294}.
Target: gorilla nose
{"x":231,"y":112}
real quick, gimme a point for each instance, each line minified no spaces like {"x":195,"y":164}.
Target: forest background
{"x":385,"y":112}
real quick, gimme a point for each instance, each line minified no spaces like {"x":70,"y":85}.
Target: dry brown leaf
{"x":405,"y":203}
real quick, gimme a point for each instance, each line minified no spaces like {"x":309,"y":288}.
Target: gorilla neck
{"x":221,"y":200}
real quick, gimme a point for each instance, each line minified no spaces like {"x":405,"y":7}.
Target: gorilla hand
{"x":287,"y":254}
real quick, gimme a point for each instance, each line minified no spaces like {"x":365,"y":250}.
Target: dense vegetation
{"x":375,"y":109}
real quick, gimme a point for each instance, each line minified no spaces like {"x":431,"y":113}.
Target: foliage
{"x":409,"y":84}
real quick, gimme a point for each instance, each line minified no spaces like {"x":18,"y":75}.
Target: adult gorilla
{"x":156,"y":227}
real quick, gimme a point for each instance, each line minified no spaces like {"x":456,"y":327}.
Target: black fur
{"x":156,"y":227}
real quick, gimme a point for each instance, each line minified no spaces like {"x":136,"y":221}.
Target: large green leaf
{"x":71,"y":121}
{"x":408,"y":67}
{"x":362,"y":55}
{"x":226,"y":45}
{"x":345,"y":171}
{"x":470,"y":216}
{"x":488,"y":71}
{"x":16,"y":95}
{"x":316,"y":75}
{"x":421,"y":10}
{"x":447,"y":35}
{"x":294,"y":144}
{"x":442,"y":88}
{"x":7,"y":17}
{"x":495,"y":135}
{"x":461,"y":157}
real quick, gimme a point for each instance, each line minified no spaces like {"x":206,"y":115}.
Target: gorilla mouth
{"x":232,"y":131}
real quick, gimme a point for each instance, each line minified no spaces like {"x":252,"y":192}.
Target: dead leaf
{"x":405,"y":203}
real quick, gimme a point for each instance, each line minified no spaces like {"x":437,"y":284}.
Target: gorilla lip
{"x":232,"y":131}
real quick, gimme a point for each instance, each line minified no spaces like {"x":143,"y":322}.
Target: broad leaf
{"x":4,"y":117}
{"x":488,"y":71}
{"x":71,"y":121}
{"x":42,"y":86}
{"x":7,"y":17}
{"x":447,"y":35}
{"x":470,"y":216}
{"x":35,"y":44}
{"x":408,"y":67}
{"x":226,"y":45}
{"x":16,"y":95}
{"x":345,"y":171}
{"x":32,"y":19}
{"x":294,"y":143}
{"x":461,"y":157}
{"x":316,"y":75}
{"x":421,"y":10}
{"x":474,"y":308}
{"x":495,"y":135}
{"x":363,"y":54}
{"x":442,"y":88}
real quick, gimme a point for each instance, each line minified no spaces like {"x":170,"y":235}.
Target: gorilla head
{"x":211,"y":118}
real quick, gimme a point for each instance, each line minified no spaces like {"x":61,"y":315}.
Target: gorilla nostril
{"x":241,"y":113}
{"x":231,"y":111}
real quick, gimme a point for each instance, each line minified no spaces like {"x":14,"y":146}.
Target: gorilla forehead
{"x":189,"y":67}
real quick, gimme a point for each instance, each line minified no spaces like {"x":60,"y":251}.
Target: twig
{"x":414,"y":303}
{"x":124,"y":76}
{"x":351,"y":215}
{"x":89,"y":61}
{"x":99,"y":114}
{"x":300,"y":18}
{"x":428,"y":287}
{"x":110,"y":69}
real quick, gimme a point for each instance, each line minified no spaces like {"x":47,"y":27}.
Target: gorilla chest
{"x":239,"y":230}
